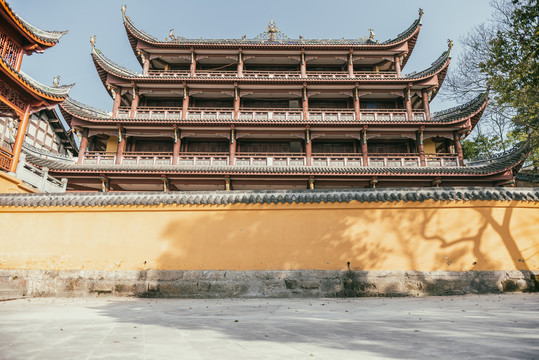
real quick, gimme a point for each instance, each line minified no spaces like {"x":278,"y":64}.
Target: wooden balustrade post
{"x":117,"y":94}
{"x":232,"y":149}
{"x":305,"y":103}
{"x":397,"y":65}
{"x":83,"y":145}
{"x":420,"y":148}
{"x":21,"y":132}
{"x":185,"y":104}
{"x":177,"y":146}
{"x":458,"y":148}
{"x":308,"y":147}
{"x":364,"y":148}
{"x":426,"y":106}
{"x":408,"y":103}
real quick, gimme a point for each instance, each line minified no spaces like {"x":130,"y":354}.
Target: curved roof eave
{"x":42,"y":37}
{"x":473,"y":110}
{"x":72,"y":108}
{"x":134,"y":33}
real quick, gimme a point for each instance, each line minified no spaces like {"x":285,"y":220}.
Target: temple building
{"x":29,"y":122}
{"x":273,"y":112}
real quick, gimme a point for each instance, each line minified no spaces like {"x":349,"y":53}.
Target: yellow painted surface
{"x":112,"y":144}
{"x":11,"y":184}
{"x":428,"y":236}
{"x":429,"y":146}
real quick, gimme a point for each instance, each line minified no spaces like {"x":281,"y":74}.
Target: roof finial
{"x":124,"y":7}
{"x":371,"y":34}
{"x":92,"y":40}
{"x":449,"y":44}
{"x":421,"y":12}
{"x":272,"y":31}
{"x":56,"y":81}
{"x":171,"y":35}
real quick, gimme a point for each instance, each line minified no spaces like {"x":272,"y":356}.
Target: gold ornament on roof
{"x":421,"y":12}
{"x":371,"y":34}
{"x":272,"y":31}
{"x":449,"y":44}
{"x":56,"y":81}
{"x":171,"y":35}
{"x":92,"y":40}
{"x":124,"y":7}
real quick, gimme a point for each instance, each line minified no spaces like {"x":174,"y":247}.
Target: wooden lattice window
{"x":3,"y":38}
{"x":11,"y":53}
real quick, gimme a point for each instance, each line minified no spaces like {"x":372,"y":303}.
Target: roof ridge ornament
{"x":449,"y":45}
{"x":56,"y":80}
{"x":124,"y":8}
{"x":421,"y":12}
{"x":272,"y":33}
{"x":371,"y":35}
{"x":92,"y":41}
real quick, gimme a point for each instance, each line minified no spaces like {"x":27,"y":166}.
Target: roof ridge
{"x":96,"y":53}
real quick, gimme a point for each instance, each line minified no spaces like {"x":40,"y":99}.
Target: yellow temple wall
{"x":421,"y":236}
{"x":10,"y":184}
{"x":112,"y":144}
{"x":429,"y":146}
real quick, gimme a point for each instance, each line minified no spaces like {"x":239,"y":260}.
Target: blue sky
{"x":231,"y":19}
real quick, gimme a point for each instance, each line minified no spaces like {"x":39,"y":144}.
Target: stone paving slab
{"x":475,"y":326}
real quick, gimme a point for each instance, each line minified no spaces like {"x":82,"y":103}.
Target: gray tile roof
{"x":270,"y":197}
{"x":44,"y":35}
{"x":462,"y":111}
{"x":142,"y":35}
{"x":433,"y":69}
{"x":501,"y":164}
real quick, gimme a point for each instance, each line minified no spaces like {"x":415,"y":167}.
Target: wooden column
{"x":185,"y":104}
{"x":146,"y":67}
{"x":193,"y":67}
{"x":177,"y":146}
{"x":240,"y":64}
{"x":426,"y":106}
{"x":356,"y":104}
{"x":408,"y":103}
{"x":232,"y":150}
{"x":121,"y":147}
{"x":21,"y":132}
{"x":350,"y":65}
{"x":83,"y":145}
{"x":397,"y":65}
{"x":303,"y":65}
{"x":420,"y":148}
{"x":134,"y":103}
{"x":117,"y":93}
{"x":236,"y":101}
{"x":364,"y":149}
{"x":305,"y":104}
{"x":19,"y":60}
{"x":308,"y":147}
{"x":105,"y":183}
{"x":458,"y":147}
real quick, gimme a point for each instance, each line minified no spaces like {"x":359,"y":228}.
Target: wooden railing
{"x":271,"y":159}
{"x":5,"y":159}
{"x":254,"y":74}
{"x":170,"y":113}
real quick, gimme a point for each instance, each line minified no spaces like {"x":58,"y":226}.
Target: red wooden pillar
{"x":177,"y":146}
{"x":420,"y":148}
{"x":458,"y":147}
{"x":193,"y":64}
{"x":19,"y":60}
{"x":232,"y":151}
{"x":303,"y":65}
{"x":350,"y":65}
{"x":308,"y":147}
{"x":121,"y":146}
{"x":426,"y":105}
{"x":240,"y":64}
{"x":236,"y":101}
{"x":117,"y":101}
{"x":364,"y":149}
{"x":305,"y":103}
{"x":397,"y":65}
{"x":83,"y":145}
{"x":146,"y":67}
{"x":408,"y":103}
{"x":21,"y":132}
{"x":134,"y":103}
{"x":185,"y":104}
{"x":356,"y":103}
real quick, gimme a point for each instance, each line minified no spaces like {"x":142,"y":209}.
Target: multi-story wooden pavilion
{"x":20,"y":95}
{"x":273,"y":112}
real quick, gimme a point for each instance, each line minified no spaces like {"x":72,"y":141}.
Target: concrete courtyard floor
{"x":456,"y":327}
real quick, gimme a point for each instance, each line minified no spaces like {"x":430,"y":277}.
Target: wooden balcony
{"x":267,"y":75}
{"x":161,"y":113}
{"x":270,"y":159}
{"x":5,"y":159}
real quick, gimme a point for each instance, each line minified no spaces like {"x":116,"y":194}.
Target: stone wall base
{"x":260,"y":284}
